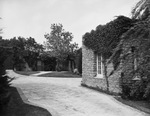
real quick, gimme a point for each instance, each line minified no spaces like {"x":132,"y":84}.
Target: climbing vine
{"x":106,"y":37}
{"x":140,"y":33}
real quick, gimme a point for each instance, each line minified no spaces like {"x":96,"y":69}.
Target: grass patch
{"x":63,"y":74}
{"x":27,"y":73}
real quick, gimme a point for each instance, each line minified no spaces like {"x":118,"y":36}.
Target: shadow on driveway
{"x":18,"y":107}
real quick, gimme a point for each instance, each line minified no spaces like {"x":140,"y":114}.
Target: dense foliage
{"x":140,"y":89}
{"x":140,"y":33}
{"x":141,"y":10}
{"x":49,"y":61}
{"x":105,"y":38}
{"x":4,"y":79}
{"x":26,"y":50}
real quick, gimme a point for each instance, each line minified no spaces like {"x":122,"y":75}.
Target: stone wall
{"x":114,"y":79}
{"x":89,"y":73}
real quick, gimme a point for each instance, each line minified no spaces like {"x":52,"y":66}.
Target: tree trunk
{"x":105,"y":74}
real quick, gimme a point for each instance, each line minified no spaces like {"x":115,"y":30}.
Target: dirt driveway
{"x":66,"y":97}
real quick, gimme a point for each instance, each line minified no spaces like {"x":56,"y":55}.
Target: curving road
{"x":66,"y":97}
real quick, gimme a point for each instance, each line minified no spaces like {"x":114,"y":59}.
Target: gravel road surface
{"x":66,"y":97}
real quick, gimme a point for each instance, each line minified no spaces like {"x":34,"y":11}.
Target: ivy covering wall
{"x":106,"y":37}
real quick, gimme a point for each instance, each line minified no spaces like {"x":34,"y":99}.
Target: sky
{"x":33,"y":18}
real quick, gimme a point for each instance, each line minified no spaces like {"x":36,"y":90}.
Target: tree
{"x":49,"y":62}
{"x":26,"y":50}
{"x":141,"y":10}
{"x":32,"y":45}
{"x":32,"y":51}
{"x":58,"y":42}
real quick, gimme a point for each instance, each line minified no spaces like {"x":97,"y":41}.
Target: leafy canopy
{"x":24,"y":48}
{"x":58,"y":42}
{"x":106,"y":37}
{"x":141,"y":10}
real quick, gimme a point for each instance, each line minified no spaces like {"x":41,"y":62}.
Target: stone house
{"x":118,"y":76}
{"x":93,"y":72}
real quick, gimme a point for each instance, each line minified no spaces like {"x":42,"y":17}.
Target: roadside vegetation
{"x":54,"y":55}
{"x":5,"y":80}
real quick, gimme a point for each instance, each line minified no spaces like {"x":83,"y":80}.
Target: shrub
{"x":139,"y":90}
{"x":125,"y":92}
{"x":4,"y":89}
{"x":4,"y":80}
